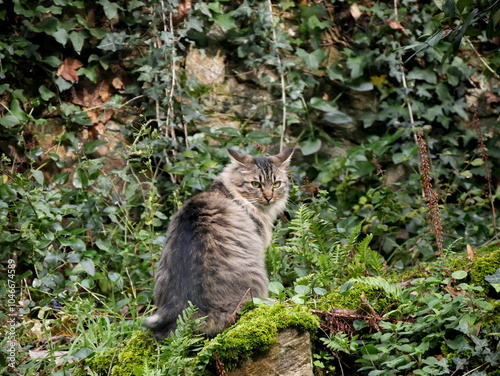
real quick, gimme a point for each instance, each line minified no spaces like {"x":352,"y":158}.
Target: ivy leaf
{"x":38,"y":175}
{"x":62,"y":84}
{"x":426,"y":75}
{"x":17,"y":111}
{"x":61,"y":36}
{"x":459,"y":343}
{"x":9,"y":121}
{"x":309,"y":147}
{"x":360,"y":84}
{"x":320,"y":291}
{"x":89,"y":147}
{"x":226,"y":21}
{"x":114,"y":41}
{"x":75,"y":244}
{"x":18,"y":9}
{"x":48,"y":25}
{"x":494,"y":278}
{"x":276,"y":287}
{"x":110,"y":9}
{"x":369,"y":350}
{"x":45,"y":93}
{"x":77,"y":39}
{"x":313,"y":59}
{"x":302,"y":290}
{"x":321,"y":104}
{"x":449,"y":8}
{"x":356,"y":65}
{"x":337,"y":117}
{"x":52,"y":61}
{"x":193,"y":23}
{"x":80,"y":179}
{"x":89,"y":266}
{"x":459,"y":274}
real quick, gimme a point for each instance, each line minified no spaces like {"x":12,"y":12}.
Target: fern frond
{"x":182,"y":345}
{"x":338,"y":342}
{"x":353,"y":237}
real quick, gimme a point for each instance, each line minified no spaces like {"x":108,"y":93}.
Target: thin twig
{"x":487,"y":171}
{"x":282,"y":79}
{"x":486,"y":65}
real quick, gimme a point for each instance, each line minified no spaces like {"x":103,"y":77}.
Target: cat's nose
{"x":268,"y":196}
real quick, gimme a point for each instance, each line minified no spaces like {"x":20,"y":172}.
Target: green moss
{"x":139,"y":350}
{"x":483,"y":266}
{"x":351,"y":299}
{"x":101,"y":362}
{"x":129,"y":361}
{"x":258,"y":329}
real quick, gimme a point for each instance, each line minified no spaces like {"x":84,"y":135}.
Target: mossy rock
{"x":258,"y":329}
{"x":139,"y":350}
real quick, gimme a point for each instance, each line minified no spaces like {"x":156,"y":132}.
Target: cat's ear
{"x":283,"y":158}
{"x":242,"y":159}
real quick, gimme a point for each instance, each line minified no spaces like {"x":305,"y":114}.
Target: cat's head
{"x":262,"y":181}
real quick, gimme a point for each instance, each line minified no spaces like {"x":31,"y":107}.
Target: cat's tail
{"x":160,"y":324}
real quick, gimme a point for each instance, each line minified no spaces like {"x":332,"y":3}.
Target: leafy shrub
{"x":341,"y":91}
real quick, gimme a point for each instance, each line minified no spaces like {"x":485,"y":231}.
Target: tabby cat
{"x":214,"y":252}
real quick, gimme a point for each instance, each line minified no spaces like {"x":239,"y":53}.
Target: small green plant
{"x":429,"y":331}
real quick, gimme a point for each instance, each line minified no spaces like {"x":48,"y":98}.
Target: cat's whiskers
{"x":246,"y":201}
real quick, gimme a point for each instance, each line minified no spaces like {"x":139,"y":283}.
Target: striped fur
{"x":214,"y":252}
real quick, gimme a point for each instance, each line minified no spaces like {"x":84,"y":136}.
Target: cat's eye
{"x":276,"y":184}
{"x":256,"y":184}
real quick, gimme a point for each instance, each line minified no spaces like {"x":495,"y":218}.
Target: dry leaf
{"x":94,"y":116}
{"x":68,"y":68}
{"x":492,"y":98}
{"x":99,"y":128}
{"x":182,"y":10}
{"x":117,"y":83}
{"x":396,"y":25}
{"x":355,"y":11}
{"x":92,"y":95}
{"x":470,"y":252}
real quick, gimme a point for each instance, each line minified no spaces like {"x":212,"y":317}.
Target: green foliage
{"x":316,"y":253}
{"x":467,"y":19}
{"x":85,"y":239}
